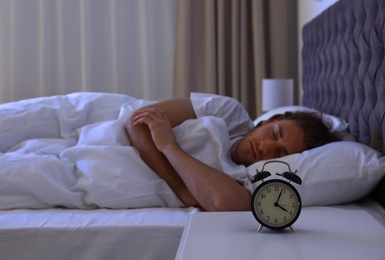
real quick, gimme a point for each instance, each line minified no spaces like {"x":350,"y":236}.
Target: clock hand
{"x":279,"y":206}
{"x":279,"y":196}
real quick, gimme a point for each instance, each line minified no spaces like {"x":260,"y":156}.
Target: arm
{"x":178,"y":110}
{"x":214,"y":190}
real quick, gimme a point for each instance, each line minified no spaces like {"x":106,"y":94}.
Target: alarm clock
{"x":276,"y":203}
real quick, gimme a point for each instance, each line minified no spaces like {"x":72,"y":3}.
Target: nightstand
{"x":321,"y":233}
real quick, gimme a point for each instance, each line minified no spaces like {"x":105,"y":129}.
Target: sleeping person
{"x":199,"y":184}
{"x":98,"y":150}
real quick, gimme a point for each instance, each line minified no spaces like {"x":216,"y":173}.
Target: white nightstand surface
{"x":321,"y":233}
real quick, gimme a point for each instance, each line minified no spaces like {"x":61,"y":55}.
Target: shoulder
{"x":205,"y":104}
{"x":230,"y":110}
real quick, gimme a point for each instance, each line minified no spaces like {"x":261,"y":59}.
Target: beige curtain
{"x":57,"y":47}
{"x":228,"y":46}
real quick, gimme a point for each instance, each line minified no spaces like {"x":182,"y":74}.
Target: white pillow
{"x":337,"y":124}
{"x":335,"y":173}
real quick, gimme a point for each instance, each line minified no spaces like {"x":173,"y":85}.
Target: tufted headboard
{"x":344,"y":69}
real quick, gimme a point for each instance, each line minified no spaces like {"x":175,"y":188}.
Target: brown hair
{"x":316,"y":131}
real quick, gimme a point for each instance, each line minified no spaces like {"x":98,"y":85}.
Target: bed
{"x":343,"y":68}
{"x":89,"y":138}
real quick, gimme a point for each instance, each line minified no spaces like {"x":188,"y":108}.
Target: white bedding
{"x":73,"y":151}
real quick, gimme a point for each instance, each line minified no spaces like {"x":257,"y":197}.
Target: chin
{"x":248,"y":164}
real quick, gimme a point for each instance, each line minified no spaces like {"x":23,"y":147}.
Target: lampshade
{"x":276,"y":93}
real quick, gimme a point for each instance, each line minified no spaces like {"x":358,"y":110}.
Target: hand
{"x":159,"y":125}
{"x":276,"y":204}
{"x":279,"y":196}
{"x":279,"y":206}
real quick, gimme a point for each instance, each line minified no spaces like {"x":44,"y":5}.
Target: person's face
{"x":272,"y":139}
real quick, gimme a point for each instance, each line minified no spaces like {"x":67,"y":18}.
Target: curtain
{"x":151,"y":49}
{"x":228,"y":46}
{"x":50,"y":47}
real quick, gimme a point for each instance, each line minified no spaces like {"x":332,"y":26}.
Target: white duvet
{"x":73,"y":151}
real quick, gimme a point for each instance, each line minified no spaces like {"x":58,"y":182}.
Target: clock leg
{"x":292,"y":228}
{"x":260,"y":228}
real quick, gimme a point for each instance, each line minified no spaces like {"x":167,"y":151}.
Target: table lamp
{"x":276,"y":93}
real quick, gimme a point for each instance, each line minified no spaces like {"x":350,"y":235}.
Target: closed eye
{"x":274,"y":134}
{"x":283,"y":150}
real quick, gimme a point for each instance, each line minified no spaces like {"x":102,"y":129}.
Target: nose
{"x":268,"y":148}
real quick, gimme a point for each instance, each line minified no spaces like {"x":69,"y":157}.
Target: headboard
{"x":344,"y":68}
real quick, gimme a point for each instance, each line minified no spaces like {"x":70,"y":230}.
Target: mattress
{"x":152,"y":233}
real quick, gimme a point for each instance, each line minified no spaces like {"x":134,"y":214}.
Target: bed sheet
{"x":152,"y":233}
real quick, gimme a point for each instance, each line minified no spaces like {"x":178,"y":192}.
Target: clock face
{"x":276,"y":204}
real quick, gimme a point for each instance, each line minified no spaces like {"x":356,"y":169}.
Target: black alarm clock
{"x":276,"y":203}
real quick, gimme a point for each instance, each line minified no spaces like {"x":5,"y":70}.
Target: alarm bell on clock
{"x":275,"y":203}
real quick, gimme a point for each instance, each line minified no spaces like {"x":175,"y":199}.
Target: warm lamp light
{"x":276,"y":93}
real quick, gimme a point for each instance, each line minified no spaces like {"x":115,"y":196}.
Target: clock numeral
{"x":268,"y":190}
{"x":276,"y":188}
{"x":261,"y":212}
{"x":285,"y":219}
